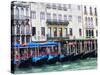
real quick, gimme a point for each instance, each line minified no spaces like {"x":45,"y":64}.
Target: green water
{"x":89,"y":63}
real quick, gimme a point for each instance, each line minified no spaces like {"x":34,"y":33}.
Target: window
{"x":27,"y":11}
{"x":70,"y":17}
{"x":79,"y":18}
{"x":22,"y":13}
{"x":48,"y":6}
{"x":60,"y":32}
{"x":86,"y":33}
{"x":96,"y":22}
{"x":59,"y":7}
{"x":89,"y":33}
{"x":96,"y":32}
{"x":86,"y":20}
{"x":91,"y":21}
{"x":95,"y":11}
{"x":28,"y":29}
{"x":17,"y":13}
{"x":80,"y":32}
{"x":66,"y":31}
{"x":54,"y":6}
{"x":71,"y":32}
{"x":33,"y":31}
{"x":17,"y":39}
{"x":23,"y":39}
{"x":48,"y":16}
{"x":18,"y":29}
{"x":92,"y":33}
{"x":91,"y":11}
{"x":49,"y":31}
{"x":54,"y":17}
{"x":78,"y":7}
{"x":60,"y":17}
{"x":85,"y":11}
{"x":43,"y":31}
{"x":55,"y":31}
{"x":64,"y":7}
{"x":33,"y":15}
{"x":69,"y":6}
{"x":42,"y":15}
{"x":22,"y":29}
{"x":27,"y":39}
{"x":65,"y":17}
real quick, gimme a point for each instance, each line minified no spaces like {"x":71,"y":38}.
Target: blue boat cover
{"x":14,"y":62}
{"x":15,"y":45}
{"x":36,"y":58}
{"x":62,"y":56}
{"x":50,"y":57}
{"x":43,"y":56}
{"x":31,"y":44}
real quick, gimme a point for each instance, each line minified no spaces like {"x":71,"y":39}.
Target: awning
{"x":48,"y":43}
{"x":32,"y":44}
{"x":15,"y":45}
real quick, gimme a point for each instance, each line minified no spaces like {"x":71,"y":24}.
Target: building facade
{"x":39,"y":22}
{"x":20,"y":23}
{"x":90,"y":22}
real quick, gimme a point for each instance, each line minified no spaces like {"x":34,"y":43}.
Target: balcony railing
{"x":55,"y":37}
{"x":19,"y":17}
{"x":53,"y":22}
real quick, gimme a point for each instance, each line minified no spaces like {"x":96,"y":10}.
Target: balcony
{"x":57,"y":38}
{"x":61,"y":22}
{"x":21,"y":17}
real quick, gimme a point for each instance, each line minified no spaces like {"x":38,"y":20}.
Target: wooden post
{"x":80,"y":46}
{"x":76,"y":47}
{"x":38,"y":51}
{"x":91,"y":45}
{"x":52,"y":49}
{"x":59,"y":48}
{"x":48,"y":50}
{"x":85,"y":44}
{"x":67,"y":48}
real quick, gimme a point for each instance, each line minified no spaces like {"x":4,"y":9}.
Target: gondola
{"x":75,"y":57}
{"x":62,"y":58}
{"x":52,"y":59}
{"x":40,"y":60}
{"x":88,"y":54}
{"x":13,"y":66}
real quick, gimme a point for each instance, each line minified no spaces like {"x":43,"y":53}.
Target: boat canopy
{"x":33,"y":44}
{"x":15,"y":45}
{"x":48,"y":43}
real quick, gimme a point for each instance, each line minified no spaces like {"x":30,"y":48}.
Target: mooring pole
{"x":59,"y":47}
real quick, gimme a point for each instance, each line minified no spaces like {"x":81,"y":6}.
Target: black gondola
{"x":52,"y":59}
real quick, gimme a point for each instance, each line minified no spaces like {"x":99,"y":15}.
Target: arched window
{"x":88,"y":20}
{"x":90,"y":10}
{"x":91,"y":21}
{"x":33,"y":14}
{"x":42,"y":15}
{"x":95,"y":11}
{"x":27,"y":11}
{"x":17,"y":13}
{"x":85,"y":11}
{"x":22,"y":13}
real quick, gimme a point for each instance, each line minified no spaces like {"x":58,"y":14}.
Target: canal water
{"x":86,"y":64}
